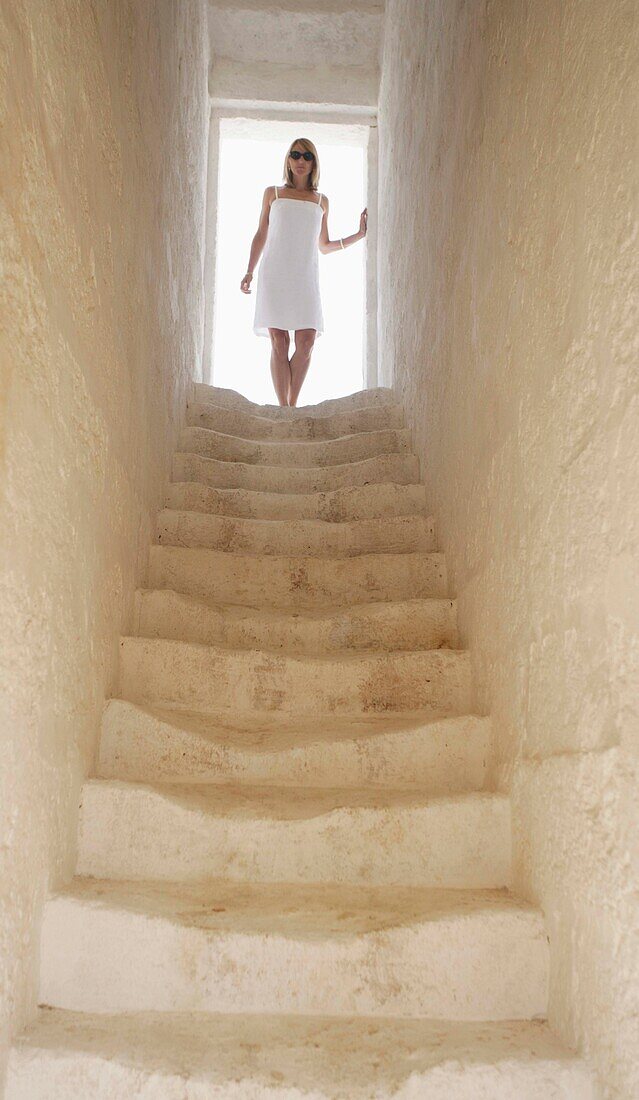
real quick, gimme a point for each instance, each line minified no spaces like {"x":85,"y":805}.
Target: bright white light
{"x":240,"y":358}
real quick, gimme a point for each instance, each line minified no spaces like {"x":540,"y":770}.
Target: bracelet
{"x":341,"y":241}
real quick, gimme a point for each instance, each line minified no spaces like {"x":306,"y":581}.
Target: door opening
{"x":251,"y":156}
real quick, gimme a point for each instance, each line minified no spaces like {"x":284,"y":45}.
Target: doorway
{"x":251,"y":157}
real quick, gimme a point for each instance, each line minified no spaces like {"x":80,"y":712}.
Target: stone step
{"x":309,"y":537}
{"x":297,"y":454}
{"x":229,"y":947}
{"x":296,"y":583}
{"x":166,"y":672}
{"x":148,"y":744}
{"x":205,"y":1056}
{"x":230,"y":399}
{"x":340,"y":506}
{"x":195,"y":832}
{"x":402,"y":469}
{"x":397,"y":625}
{"x":249,"y":426}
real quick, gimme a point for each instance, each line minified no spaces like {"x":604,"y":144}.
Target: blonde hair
{"x":287,"y":174}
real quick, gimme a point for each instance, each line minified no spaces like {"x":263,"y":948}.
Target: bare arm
{"x":327,"y":245}
{"x":258,"y":242}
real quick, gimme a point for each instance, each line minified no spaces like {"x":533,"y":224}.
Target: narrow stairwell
{"x":292,"y":879}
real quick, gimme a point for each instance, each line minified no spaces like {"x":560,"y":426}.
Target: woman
{"x":288,"y":294}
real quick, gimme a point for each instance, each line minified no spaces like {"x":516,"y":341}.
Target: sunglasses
{"x":296,"y":155}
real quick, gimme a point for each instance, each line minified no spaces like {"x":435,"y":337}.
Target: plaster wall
{"x":103,"y":117}
{"x":508,"y":289}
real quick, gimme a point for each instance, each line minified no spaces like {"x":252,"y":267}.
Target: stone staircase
{"x":292,"y":879}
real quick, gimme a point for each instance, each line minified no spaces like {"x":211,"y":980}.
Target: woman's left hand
{"x":363,"y":219}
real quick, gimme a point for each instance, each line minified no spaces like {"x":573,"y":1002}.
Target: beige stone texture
{"x":290,"y":808}
{"x":293,"y":810}
{"x":262,"y":53}
{"x":330,"y":452}
{"x":219,"y":397}
{"x":176,"y":673}
{"x":508,"y":328}
{"x":447,"y":954}
{"x":394,"y":468}
{"x":298,"y":583}
{"x":235,"y":421}
{"x":337,"y":506}
{"x":314,"y":537}
{"x":189,"y":832}
{"x":395,"y":624}
{"x":436,"y":756}
{"x":103,"y":116}
{"x":195,"y":1056}
{"x":344,"y":33}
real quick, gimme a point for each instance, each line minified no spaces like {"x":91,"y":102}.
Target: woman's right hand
{"x":245,"y":285}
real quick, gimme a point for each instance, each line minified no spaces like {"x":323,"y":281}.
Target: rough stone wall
{"x":103,"y":115}
{"x":508,"y":289}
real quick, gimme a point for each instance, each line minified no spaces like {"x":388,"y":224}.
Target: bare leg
{"x":300,"y":361}
{"x":280,"y":367}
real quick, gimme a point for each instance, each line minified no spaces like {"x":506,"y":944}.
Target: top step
{"x":229,"y":399}
{"x":239,"y":422}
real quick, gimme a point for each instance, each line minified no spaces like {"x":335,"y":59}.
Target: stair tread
{"x":413,"y":624}
{"x":341,"y":657}
{"x":297,"y":580}
{"x":311,"y":560}
{"x":344,"y":490}
{"x":325,"y":426}
{"x":267,"y":732}
{"x":278,"y":614}
{"x":295,"y":452}
{"x":314,"y":524}
{"x":400,"y":467}
{"x":349,"y":504}
{"x":375,"y":397}
{"x":303,"y":415}
{"x":309,"y":470}
{"x":317,"y":443}
{"x":292,"y":1056}
{"x":291,"y":803}
{"x":295,"y":908}
{"x":414,"y":750}
{"x":316,"y":537}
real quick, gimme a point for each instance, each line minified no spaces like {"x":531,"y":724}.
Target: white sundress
{"x":288,"y":290}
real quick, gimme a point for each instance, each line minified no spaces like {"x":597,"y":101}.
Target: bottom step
{"x":152,"y":1056}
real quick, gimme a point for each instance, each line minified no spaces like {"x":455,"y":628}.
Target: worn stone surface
{"x":437,"y":756}
{"x":236,"y":421}
{"x":508,"y":327}
{"x":297,"y":582}
{"x":218,"y":397}
{"x":176,"y":673}
{"x":266,"y":452}
{"x":394,"y":624}
{"x":391,"y":535}
{"x":400,"y":468}
{"x":293,"y":785}
{"x":191,"y":1056}
{"x":103,"y":117}
{"x":188,"y":832}
{"x":335,"y":506}
{"x":228,"y":947}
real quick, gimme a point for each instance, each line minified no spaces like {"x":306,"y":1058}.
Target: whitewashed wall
{"x":508,"y":290}
{"x":103,"y":116}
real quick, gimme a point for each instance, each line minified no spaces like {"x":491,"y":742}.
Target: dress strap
{"x":319,"y":198}
{"x":276,"y":194}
